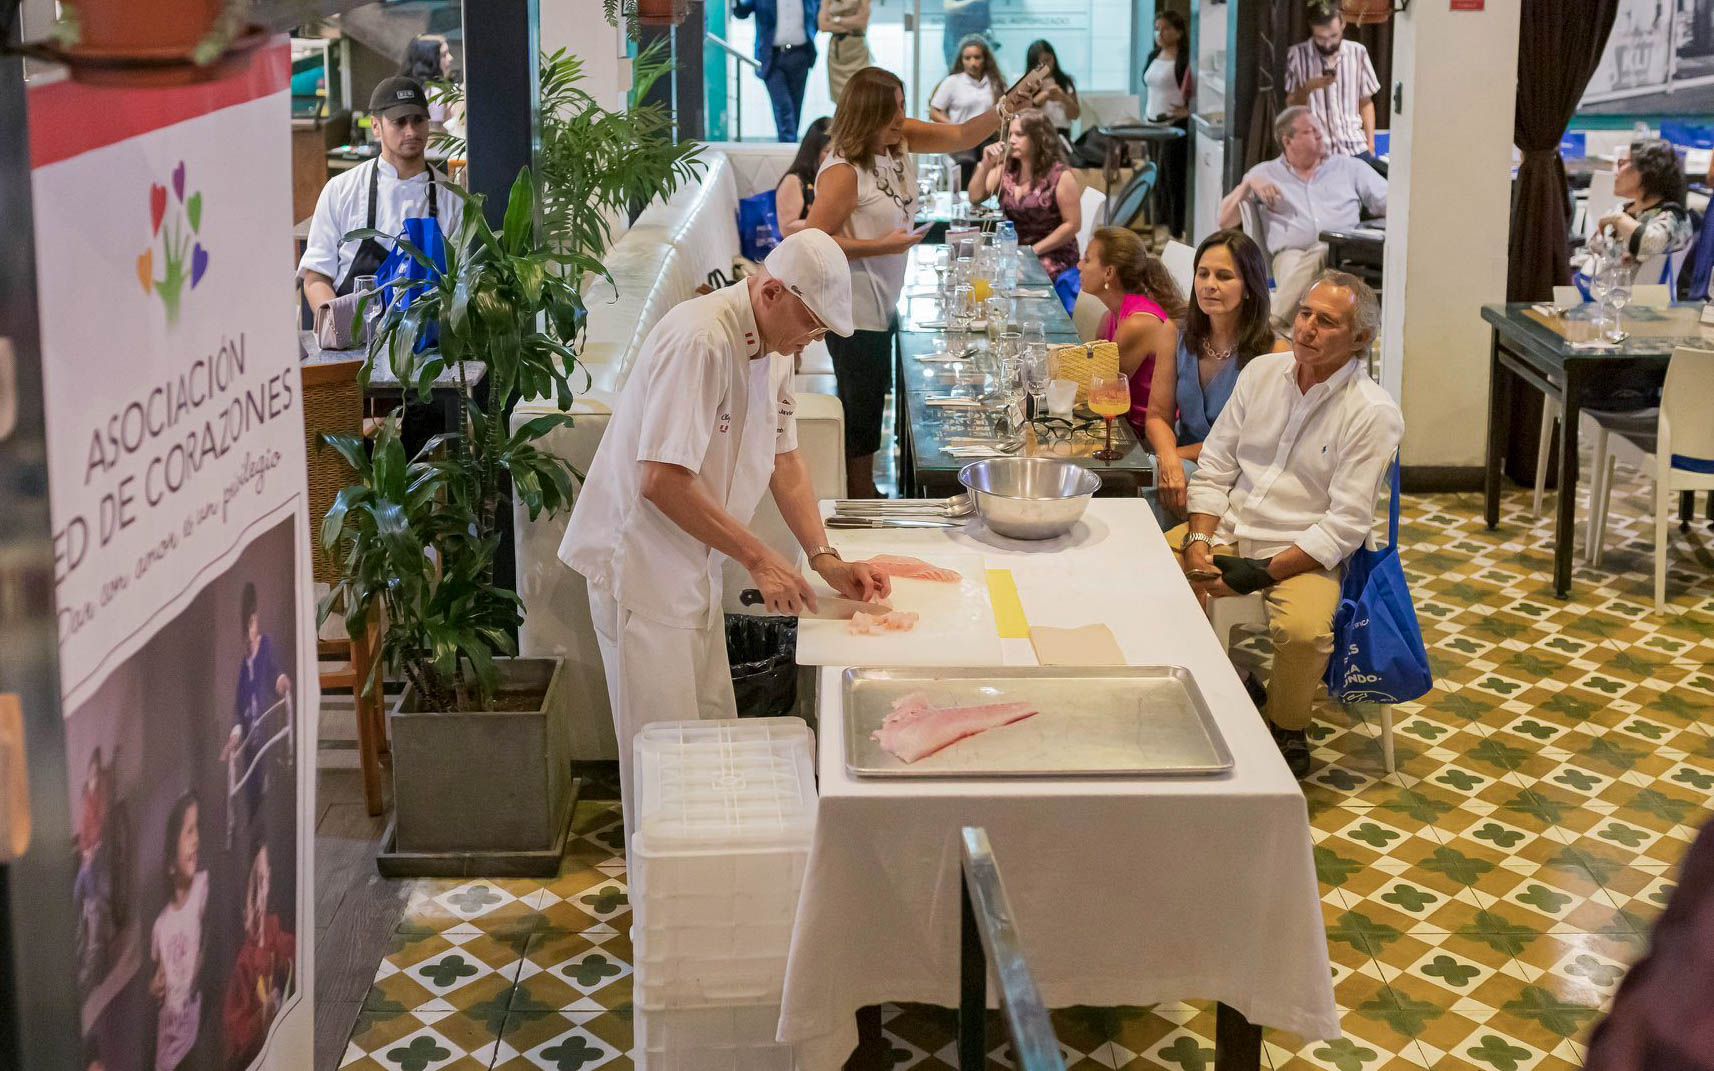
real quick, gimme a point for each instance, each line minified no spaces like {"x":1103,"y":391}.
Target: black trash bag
{"x":763,"y":653}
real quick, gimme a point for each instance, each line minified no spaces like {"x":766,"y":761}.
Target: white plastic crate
{"x":711,"y":785}
{"x":738,"y":1037}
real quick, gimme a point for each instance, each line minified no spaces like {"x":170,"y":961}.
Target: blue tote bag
{"x":424,"y":233}
{"x":758,"y":226}
{"x":1378,"y":656}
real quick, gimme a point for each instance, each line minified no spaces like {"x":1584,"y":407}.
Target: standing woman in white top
{"x":1166,"y":76}
{"x":973,"y":86}
{"x":866,"y":198}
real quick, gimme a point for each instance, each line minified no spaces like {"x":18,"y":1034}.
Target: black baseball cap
{"x":398,"y":96}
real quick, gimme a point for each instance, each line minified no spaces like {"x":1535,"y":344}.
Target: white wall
{"x":579,"y":27}
{"x":1448,"y":214}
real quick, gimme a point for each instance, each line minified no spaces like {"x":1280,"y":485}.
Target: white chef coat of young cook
{"x":702,"y":428}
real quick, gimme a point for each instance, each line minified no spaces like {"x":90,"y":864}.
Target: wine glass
{"x":1109,"y":396}
{"x":1033,"y":371}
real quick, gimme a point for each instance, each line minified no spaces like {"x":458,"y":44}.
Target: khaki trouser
{"x":1300,"y":619}
{"x":1294,"y":270}
{"x":846,"y":55}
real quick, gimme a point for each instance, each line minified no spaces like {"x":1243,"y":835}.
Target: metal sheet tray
{"x":1119,"y":721}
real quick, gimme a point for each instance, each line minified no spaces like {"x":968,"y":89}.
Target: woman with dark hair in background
{"x":1225,"y":327}
{"x":1143,"y":306}
{"x":1654,"y":221}
{"x":1037,"y":191}
{"x":796,"y":191}
{"x":1058,"y":99}
{"x":428,"y":59}
{"x":866,"y":197}
{"x":1166,"y":76}
{"x":971,"y":88}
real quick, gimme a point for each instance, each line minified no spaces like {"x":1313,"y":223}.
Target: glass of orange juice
{"x":1109,"y":396}
{"x":984,"y":289}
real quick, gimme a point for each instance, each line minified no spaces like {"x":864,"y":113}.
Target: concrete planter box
{"x":483,"y":793}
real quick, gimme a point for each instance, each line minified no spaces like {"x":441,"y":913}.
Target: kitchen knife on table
{"x":891,"y":522}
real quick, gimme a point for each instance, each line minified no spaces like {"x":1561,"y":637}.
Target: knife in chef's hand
{"x":890,"y":522}
{"x":828,"y":607}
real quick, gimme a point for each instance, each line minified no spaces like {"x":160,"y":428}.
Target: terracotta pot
{"x":662,"y":12}
{"x":144,"y":28}
{"x":1364,"y":12}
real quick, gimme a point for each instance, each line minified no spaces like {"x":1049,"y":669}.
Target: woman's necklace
{"x":1217,"y":355}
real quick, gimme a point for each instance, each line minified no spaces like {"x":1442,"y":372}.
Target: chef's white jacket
{"x":344,"y":206}
{"x":1284,"y":467}
{"x":695,"y":399}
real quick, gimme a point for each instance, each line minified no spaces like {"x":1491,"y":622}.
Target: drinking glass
{"x":1109,"y":396}
{"x":365,"y":284}
{"x":1034,"y":332}
{"x":1032,"y":369}
{"x":1061,"y":396}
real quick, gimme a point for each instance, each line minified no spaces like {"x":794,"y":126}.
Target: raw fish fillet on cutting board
{"x":955,"y":623}
{"x":897,"y":565}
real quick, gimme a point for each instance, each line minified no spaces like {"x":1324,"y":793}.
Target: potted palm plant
{"x":481,"y":763}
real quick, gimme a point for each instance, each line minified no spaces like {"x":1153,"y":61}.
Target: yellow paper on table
{"x":1008,"y":608}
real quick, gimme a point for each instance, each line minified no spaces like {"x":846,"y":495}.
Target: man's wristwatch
{"x":819,"y":551}
{"x":1195,"y":537}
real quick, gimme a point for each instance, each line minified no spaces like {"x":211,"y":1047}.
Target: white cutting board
{"x":956,"y":626}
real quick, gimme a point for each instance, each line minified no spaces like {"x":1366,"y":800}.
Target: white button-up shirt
{"x":1332,"y":198}
{"x":344,"y":206}
{"x":695,"y":399}
{"x":788,"y":24}
{"x":1285,"y":467}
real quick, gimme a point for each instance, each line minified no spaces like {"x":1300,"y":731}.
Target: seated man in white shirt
{"x":1286,"y":486}
{"x":1299,"y":194}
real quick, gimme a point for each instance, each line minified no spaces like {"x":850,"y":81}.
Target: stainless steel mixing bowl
{"x":1029,"y":497}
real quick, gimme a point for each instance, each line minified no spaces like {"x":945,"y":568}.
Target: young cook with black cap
{"x":382,"y":194}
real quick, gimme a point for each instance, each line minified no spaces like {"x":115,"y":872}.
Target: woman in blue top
{"x":1226,"y":326}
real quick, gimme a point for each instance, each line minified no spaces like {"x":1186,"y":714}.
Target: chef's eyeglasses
{"x":818,"y":330}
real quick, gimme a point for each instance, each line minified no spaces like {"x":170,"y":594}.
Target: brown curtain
{"x":1288,"y":26}
{"x":1559,"y":44}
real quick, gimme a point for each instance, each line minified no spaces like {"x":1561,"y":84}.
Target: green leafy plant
{"x":597,"y":165}
{"x":417,"y":536}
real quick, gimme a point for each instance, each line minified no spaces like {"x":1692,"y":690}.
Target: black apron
{"x":371,"y":254}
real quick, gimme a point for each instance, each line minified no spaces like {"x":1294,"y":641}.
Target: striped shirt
{"x":1339,"y":106}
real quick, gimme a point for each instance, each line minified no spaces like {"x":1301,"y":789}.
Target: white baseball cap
{"x":812,"y":266}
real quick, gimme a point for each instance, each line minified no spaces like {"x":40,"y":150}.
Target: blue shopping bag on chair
{"x":758,"y":226}
{"x":1378,"y":656}
{"x":424,"y":233}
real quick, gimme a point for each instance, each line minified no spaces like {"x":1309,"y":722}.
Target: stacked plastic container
{"x":726,"y":810}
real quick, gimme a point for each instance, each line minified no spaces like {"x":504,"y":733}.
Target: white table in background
{"x":1128,"y":892}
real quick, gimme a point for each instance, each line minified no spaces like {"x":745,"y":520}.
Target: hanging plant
{"x":1366,"y":12}
{"x":150,"y":42}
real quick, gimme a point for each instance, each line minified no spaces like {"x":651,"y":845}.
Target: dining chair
{"x":1674,"y":444}
{"x":333,"y":404}
{"x":1237,"y":611}
{"x":1094,"y":204}
{"x":1180,"y":261}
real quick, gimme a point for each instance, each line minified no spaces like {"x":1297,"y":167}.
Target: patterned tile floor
{"x":1481,"y":903}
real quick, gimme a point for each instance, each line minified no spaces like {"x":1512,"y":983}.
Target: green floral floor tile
{"x":493,"y":905}
{"x":436,"y":1040}
{"x":564,"y":1041}
{"x":561,"y":971}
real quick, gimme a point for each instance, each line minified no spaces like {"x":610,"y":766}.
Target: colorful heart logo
{"x":178,"y":180}
{"x":146,"y":268}
{"x":198,"y":264}
{"x":157,"y":207}
{"x":193,"y":210}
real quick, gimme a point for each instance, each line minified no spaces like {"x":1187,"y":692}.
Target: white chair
{"x":1094,"y":215}
{"x":1086,"y":315}
{"x":1180,"y":261}
{"x":1250,"y":221}
{"x":1237,"y":611}
{"x":1675,"y":444}
{"x":1650,"y":295}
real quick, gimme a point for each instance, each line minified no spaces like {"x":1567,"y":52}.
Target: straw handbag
{"x":1078,"y":363}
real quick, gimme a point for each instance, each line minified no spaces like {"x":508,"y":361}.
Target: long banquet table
{"x":1128,"y":891}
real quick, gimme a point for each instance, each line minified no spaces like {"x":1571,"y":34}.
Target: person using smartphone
{"x":1336,"y":80}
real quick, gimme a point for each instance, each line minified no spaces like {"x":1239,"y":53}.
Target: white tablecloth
{"x":1127,"y":892}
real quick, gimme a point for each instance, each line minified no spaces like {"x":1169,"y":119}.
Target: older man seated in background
{"x":1299,"y":194}
{"x":1286,"y":490}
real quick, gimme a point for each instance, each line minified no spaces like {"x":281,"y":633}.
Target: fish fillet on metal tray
{"x":1089,"y":721}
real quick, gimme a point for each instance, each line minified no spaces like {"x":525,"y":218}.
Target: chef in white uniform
{"x":703,"y":427}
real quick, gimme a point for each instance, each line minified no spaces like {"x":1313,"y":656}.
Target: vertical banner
{"x":186,"y":619}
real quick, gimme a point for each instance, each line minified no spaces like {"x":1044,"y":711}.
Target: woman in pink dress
{"x":1144,"y":308}
{"x":1037,"y":192}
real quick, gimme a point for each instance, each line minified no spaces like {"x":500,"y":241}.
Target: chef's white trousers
{"x":657,"y":672}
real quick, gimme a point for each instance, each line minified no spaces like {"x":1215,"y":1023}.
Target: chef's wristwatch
{"x":819,"y":551}
{"x":1196,"y":537}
